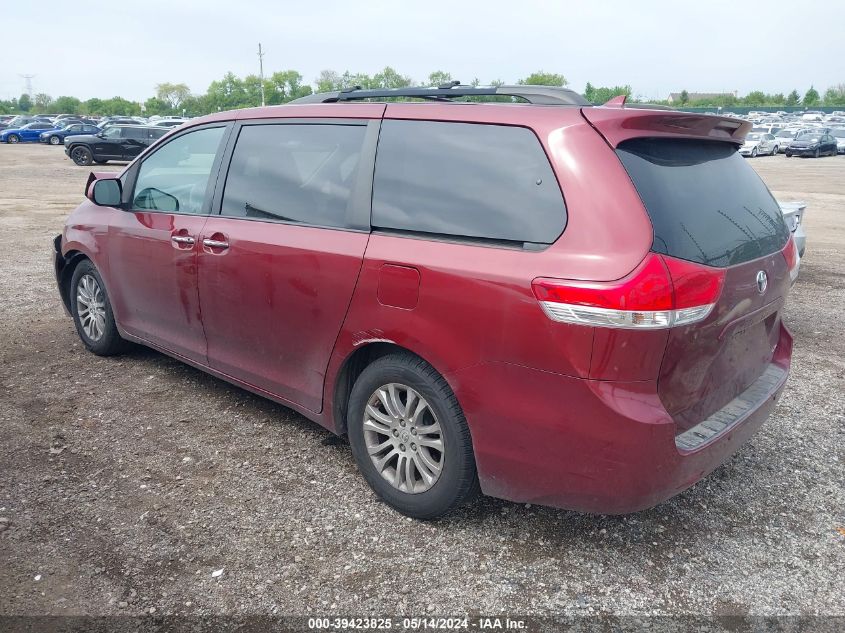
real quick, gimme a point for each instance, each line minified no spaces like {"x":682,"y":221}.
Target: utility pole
{"x":28,"y":79}
{"x":261,"y":71}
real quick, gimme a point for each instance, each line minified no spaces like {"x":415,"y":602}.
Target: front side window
{"x":174,"y":179}
{"x":466,"y":180}
{"x":112,"y":132}
{"x":300,"y":173}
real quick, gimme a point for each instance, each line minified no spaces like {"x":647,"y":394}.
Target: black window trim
{"x":131,"y":174}
{"x":489,"y":242}
{"x":362,"y":193}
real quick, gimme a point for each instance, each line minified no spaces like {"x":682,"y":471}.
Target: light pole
{"x":261,"y":71}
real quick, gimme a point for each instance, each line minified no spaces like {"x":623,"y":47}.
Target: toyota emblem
{"x":762,"y":281}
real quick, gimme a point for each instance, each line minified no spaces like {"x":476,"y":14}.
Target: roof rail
{"x":537,"y":95}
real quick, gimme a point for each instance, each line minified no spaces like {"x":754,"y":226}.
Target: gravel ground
{"x":127,"y":484}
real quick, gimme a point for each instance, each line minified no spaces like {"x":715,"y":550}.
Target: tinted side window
{"x":706,"y":203}
{"x":174,"y":178}
{"x":294,"y":173}
{"x":135,"y":133}
{"x":467,"y":180}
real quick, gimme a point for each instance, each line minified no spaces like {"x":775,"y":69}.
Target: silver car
{"x":759,"y":143}
{"x":839,"y":135}
{"x":793,"y":214}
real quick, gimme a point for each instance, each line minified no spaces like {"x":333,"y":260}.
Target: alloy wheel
{"x":403,"y":438}
{"x":91,"y":307}
{"x":54,"y":140}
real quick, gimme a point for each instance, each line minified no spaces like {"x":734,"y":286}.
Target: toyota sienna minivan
{"x":549,"y":301}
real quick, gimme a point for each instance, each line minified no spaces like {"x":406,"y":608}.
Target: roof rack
{"x":537,"y":95}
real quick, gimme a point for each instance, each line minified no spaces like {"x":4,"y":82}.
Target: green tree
{"x":811,"y":97}
{"x":67,"y":105}
{"x":603,"y":94}
{"x":684,"y":97}
{"x":777,"y":99}
{"x":438,"y":78}
{"x":93,"y":106}
{"x":284,"y":86}
{"x":793,"y":99}
{"x":541,"y":78}
{"x":226,"y":94}
{"x":755,"y":98}
{"x":328,"y":81}
{"x":389,"y":78}
{"x":835,"y":95}
{"x":24,"y":103}
{"x":172,"y":94}
{"x":154,"y":105}
{"x":42,"y":102}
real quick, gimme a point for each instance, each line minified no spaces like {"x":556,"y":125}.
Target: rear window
{"x":706,"y":204}
{"x":466,"y":180}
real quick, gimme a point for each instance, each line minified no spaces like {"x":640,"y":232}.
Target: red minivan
{"x":556,"y":303}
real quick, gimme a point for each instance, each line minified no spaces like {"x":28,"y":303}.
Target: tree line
{"x":231,"y":92}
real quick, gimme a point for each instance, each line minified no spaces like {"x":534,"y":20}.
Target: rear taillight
{"x":790,"y":254}
{"x":659,"y":293}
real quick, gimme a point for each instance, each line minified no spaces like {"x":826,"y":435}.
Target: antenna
{"x":261,"y":71}
{"x":28,"y":79}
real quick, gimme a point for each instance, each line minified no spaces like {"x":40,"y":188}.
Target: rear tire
{"x":92,"y":313}
{"x":81,"y":156}
{"x":410,"y":438}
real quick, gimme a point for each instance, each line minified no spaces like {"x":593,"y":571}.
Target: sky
{"x":656,"y":46}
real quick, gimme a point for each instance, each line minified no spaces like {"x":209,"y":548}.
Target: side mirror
{"x":107,"y":192}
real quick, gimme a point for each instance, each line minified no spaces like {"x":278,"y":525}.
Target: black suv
{"x":118,"y":142}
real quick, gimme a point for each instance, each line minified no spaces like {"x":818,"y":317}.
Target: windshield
{"x":809,"y":136}
{"x":785,"y":134}
{"x":753,"y":137}
{"x":838,"y":133}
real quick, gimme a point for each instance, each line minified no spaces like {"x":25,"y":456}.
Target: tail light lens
{"x":790,"y":254}
{"x":660,"y":293}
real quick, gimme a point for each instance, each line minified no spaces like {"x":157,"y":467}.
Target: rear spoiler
{"x":617,"y":122}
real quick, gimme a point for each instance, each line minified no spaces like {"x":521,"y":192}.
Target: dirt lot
{"x":124,"y":483}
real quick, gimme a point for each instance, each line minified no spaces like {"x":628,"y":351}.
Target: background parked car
{"x":757,"y":143}
{"x":57,"y":136}
{"x":812,"y":143}
{"x":118,"y":142}
{"x":29,"y":133}
{"x":839,"y":135}
{"x":793,"y":214}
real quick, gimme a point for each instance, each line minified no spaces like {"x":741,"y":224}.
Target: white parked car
{"x":793,"y":214}
{"x":759,"y":143}
{"x":839,"y":134}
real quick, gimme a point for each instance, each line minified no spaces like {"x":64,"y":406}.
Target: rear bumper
{"x":588,"y":445}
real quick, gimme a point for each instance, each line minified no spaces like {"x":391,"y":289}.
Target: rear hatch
{"x":708,"y":207}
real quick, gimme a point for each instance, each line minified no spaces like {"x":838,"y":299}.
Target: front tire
{"x":410,"y":438}
{"x":55,"y":140}
{"x":81,"y":156}
{"x":13,"y":138}
{"x":817,"y":153}
{"x":92,"y":312}
{"x":754,"y":152}
{"x":775,"y":150}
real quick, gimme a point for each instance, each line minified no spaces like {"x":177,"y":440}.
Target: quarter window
{"x":175,"y":178}
{"x":294,"y":173}
{"x":466,"y":180}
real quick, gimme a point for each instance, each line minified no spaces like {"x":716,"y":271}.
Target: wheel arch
{"x":352,"y":367}
{"x":71,"y":260}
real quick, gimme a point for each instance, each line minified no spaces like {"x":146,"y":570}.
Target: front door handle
{"x":215,"y":243}
{"x":187,"y":240}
